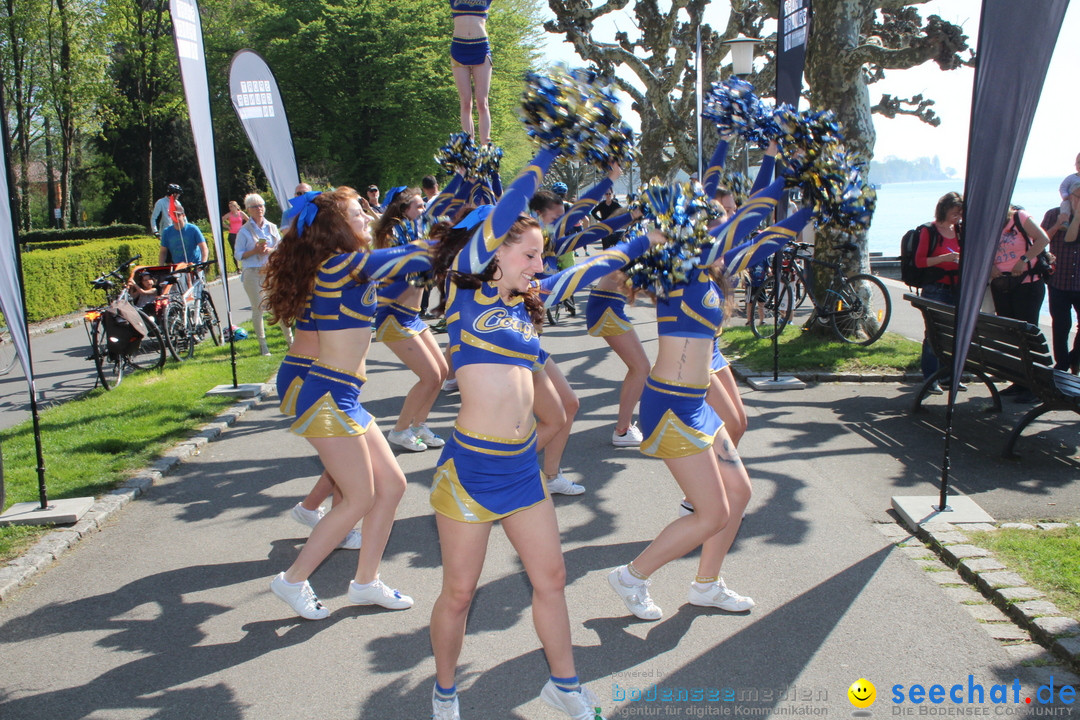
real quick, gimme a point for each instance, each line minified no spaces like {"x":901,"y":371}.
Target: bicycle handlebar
{"x":103,"y":281}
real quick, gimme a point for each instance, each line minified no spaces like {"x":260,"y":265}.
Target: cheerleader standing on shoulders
{"x":470,"y":58}
{"x":324,"y":264}
{"x":488,"y":470}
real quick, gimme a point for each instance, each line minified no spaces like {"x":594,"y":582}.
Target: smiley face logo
{"x":862,"y":693}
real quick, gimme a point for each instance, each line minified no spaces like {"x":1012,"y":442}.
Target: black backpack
{"x":1044,"y":266}
{"x":913,"y":275}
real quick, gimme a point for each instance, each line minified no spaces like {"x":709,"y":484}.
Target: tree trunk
{"x":840,"y":85}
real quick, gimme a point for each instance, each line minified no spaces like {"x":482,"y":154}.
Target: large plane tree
{"x":852,"y":44}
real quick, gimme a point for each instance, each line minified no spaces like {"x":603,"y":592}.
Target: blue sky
{"x":1055,"y":136}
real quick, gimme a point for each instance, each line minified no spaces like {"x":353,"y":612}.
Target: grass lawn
{"x":1047,"y":559}
{"x":94,"y":443}
{"x":800,"y":350}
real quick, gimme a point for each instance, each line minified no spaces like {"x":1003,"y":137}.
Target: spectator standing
{"x":1017,"y":290}
{"x":182,"y":241}
{"x":370,"y":202}
{"x":234,"y":220}
{"x":939,"y":247}
{"x":164,"y":213}
{"x":254,"y":242}
{"x":1064,"y":283}
{"x":603,"y":210}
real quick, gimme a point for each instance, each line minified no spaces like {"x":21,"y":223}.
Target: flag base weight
{"x":67,"y":511}
{"x":784,"y":382}
{"x":918,"y":510}
{"x":245,"y":390}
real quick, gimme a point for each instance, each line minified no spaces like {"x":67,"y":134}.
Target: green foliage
{"x":82,"y":233}
{"x":801,"y":351}
{"x":93,"y":443}
{"x":1045,"y":558}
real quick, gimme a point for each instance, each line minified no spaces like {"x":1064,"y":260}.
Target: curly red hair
{"x":292,"y":267}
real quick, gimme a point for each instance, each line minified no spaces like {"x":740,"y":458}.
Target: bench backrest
{"x":1011,"y":349}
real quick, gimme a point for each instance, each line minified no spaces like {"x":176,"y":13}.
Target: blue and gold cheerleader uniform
{"x":328,"y":404}
{"x":674,"y":417}
{"x":465,"y":52}
{"x":393,"y":320}
{"x":481,"y":478}
{"x":605,"y":314}
{"x":294,"y":368}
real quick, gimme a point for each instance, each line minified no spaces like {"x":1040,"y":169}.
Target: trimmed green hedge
{"x":58,"y":281}
{"x":100,"y":232}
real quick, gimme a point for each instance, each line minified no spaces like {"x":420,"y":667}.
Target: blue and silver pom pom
{"x":830,"y":178}
{"x":682,"y":213}
{"x":460,"y":151}
{"x":576,"y":113}
{"x":736,"y":110}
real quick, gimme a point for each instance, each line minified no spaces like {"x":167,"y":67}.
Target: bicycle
{"x":115,"y":350}
{"x":858,"y":308}
{"x":190,"y":314}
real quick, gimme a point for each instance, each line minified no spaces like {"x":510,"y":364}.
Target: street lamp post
{"x":742,"y":64}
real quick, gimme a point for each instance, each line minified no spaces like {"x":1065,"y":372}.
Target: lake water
{"x":902,"y":206}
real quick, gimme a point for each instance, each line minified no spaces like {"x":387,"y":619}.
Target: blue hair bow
{"x":474,"y":218}
{"x":304,"y":209}
{"x":393,"y":193}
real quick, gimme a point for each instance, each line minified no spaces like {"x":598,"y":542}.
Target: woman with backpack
{"x":938,"y":255}
{"x":1017,"y":286}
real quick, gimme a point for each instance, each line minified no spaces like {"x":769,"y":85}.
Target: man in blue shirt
{"x":182,"y":242}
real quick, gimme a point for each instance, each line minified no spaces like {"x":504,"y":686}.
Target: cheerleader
{"x":470,"y":58}
{"x":323,"y":266}
{"x":488,"y":470}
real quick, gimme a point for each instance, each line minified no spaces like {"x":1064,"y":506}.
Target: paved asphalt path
{"x":166,"y":612}
{"x":62,"y":370}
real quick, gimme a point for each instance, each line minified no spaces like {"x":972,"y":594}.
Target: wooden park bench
{"x":1009,"y":350}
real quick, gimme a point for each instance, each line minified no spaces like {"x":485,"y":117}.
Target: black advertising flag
{"x":1016,"y":41}
{"x":792,"y":36}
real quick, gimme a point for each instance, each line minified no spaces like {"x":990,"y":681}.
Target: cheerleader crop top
{"x":345,"y":295}
{"x":477,"y":8}
{"x":484,"y":328}
{"x":692,"y":310}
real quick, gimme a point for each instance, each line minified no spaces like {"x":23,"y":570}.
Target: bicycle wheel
{"x":863,"y":309}
{"x":209,"y":319}
{"x":110,"y":368}
{"x":7,"y":352}
{"x":149,"y":353}
{"x":770,"y":310}
{"x":181,"y":343}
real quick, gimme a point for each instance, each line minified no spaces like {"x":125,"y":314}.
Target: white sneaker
{"x":352,"y":541}
{"x":560,"y":485}
{"x":427,"y":436}
{"x":378,"y":594}
{"x":685,"y":508}
{"x":720,"y":596}
{"x":580,"y":705}
{"x":407,"y":439}
{"x":444,"y":709}
{"x":635,"y":597}
{"x":450,"y":385}
{"x":300,"y":598}
{"x":631,"y":438}
{"x":302,"y":515}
